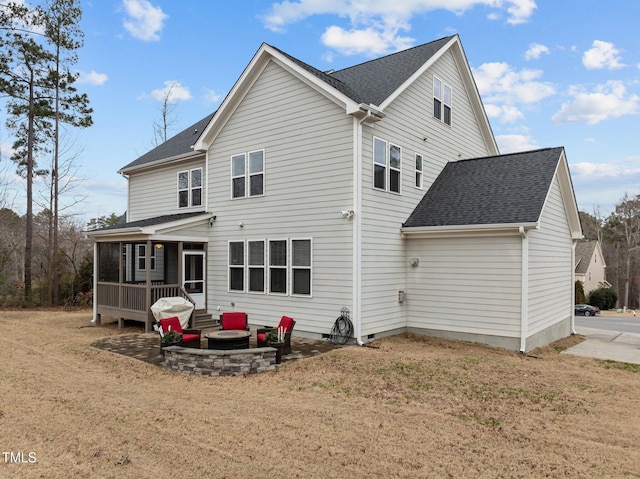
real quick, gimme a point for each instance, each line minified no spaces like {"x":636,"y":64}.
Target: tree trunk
{"x":28,"y":247}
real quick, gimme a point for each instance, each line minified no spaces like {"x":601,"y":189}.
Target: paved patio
{"x":146,"y":346}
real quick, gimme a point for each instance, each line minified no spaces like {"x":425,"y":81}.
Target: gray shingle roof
{"x":584,"y":253}
{"x":369,"y":83}
{"x":179,"y":144}
{"x":376,"y":80}
{"x":152,"y":221}
{"x":504,"y":189}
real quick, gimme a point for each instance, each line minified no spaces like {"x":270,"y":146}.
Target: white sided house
{"x":590,"y":266}
{"x":378,"y":188}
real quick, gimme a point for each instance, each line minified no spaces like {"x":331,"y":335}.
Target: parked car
{"x":586,"y":310}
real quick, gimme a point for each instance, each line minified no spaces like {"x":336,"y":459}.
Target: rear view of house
{"x":377,"y":188}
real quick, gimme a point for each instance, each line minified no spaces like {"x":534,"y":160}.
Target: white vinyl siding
{"x":550,"y":268}
{"x":383,"y":249}
{"x":466,"y":285}
{"x":309,"y":141}
{"x":154,"y":192}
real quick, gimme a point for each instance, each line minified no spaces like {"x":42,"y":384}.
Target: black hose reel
{"x":342,"y":330}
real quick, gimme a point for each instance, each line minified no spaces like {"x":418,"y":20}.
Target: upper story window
{"x":442,"y":101}
{"x":247,"y":174}
{"x":387,"y":166}
{"x":418,"y":171}
{"x":190,"y":188}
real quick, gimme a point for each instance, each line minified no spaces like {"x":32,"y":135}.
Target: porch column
{"x":147,"y":325}
{"x":96,"y":265}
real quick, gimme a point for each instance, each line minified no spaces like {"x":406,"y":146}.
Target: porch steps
{"x":202,"y":319}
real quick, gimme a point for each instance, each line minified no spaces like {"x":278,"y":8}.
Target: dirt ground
{"x":407,"y":407}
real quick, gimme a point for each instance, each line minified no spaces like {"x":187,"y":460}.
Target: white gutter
{"x":488,"y":229}
{"x":524,"y":294}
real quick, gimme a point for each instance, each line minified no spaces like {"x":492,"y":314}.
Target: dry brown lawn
{"x":408,"y":407}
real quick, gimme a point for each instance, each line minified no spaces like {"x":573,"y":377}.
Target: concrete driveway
{"x":603,"y":344}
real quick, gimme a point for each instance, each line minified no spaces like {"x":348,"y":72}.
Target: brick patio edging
{"x":217,"y":362}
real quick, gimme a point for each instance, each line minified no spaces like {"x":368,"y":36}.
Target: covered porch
{"x":135,"y":266}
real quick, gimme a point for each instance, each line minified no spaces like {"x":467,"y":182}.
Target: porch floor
{"x":146,"y":346}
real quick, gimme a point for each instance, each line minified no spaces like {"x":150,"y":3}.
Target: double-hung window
{"x":387,"y":166}
{"x":247,"y":174}
{"x":256,"y":265}
{"x":418,"y":171}
{"x":278,"y":266}
{"x":236,"y":266}
{"x":141,"y":254}
{"x":190,"y":188}
{"x":301,"y":267}
{"x":442,"y":101}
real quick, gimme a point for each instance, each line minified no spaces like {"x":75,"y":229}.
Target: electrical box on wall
{"x":402,"y":296}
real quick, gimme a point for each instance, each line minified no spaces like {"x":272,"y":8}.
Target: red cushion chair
{"x":190,"y":337}
{"x":285,"y":322}
{"x":234,"y":320}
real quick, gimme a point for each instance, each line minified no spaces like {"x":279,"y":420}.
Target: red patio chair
{"x":285,"y":322}
{"x":234,"y":320}
{"x":190,"y":337}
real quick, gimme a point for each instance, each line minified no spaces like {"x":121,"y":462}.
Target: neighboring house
{"x":378,"y":188}
{"x":590,"y":266}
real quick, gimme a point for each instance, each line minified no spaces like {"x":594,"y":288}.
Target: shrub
{"x":603,"y":298}
{"x":580,"y":298}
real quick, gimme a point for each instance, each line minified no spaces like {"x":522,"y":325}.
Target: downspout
{"x":357,"y":228}
{"x":573,"y":286}
{"x":524,"y":293}
{"x":95,"y":283}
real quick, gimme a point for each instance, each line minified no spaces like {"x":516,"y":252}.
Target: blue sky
{"x":550,"y":73}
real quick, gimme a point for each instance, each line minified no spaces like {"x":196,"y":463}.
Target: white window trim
{"x":441,"y":98}
{"x":142,"y":247}
{"x":243,"y":266}
{"x":399,"y":170}
{"x":419,"y":171}
{"x":189,"y":189}
{"x":289,"y":267}
{"x":264,"y":266}
{"x":247,"y":174}
{"x":285,"y":267}
{"x":310,"y":267}
{"x":387,"y":165}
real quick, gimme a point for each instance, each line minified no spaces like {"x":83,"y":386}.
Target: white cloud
{"x":376,"y":26}
{"x":535,"y":50}
{"x":499,"y":82}
{"x":607,"y":101}
{"x":211,"y":96}
{"x":93,"y":78}
{"x":602,"y":55}
{"x":144,"y":21}
{"x":173,"y":90}
{"x":504,"y":113}
{"x":514,"y":143}
{"x":368,"y":41}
